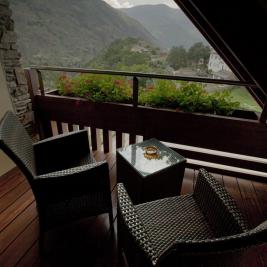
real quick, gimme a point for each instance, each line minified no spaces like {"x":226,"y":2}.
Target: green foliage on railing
{"x":96,"y":88}
{"x":189,"y":97}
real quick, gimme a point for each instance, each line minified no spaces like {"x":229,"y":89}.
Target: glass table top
{"x":134,"y":154}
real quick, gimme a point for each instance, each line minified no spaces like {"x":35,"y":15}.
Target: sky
{"x":131,"y":3}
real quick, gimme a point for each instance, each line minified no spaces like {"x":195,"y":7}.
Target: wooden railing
{"x":226,"y":145}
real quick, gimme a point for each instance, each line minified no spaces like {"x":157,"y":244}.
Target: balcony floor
{"x":88,"y":242}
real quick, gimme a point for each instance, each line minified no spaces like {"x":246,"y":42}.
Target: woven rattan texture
{"x":76,"y":207}
{"x":15,"y":138}
{"x":171,"y":219}
{"x":218,"y":207}
{"x":134,"y":224}
{"x":70,"y":171}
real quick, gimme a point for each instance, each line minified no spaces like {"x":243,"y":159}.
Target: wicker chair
{"x":198,"y":229}
{"x":68,"y":184}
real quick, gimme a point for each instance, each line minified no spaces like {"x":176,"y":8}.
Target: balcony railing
{"x":225,"y":145}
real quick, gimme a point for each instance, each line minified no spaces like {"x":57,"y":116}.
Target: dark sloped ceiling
{"x":238,"y":31}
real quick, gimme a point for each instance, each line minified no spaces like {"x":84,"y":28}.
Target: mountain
{"x":69,"y":33}
{"x":169,"y":26}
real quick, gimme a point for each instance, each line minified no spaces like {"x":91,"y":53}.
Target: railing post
{"x":35,"y":86}
{"x":135,"y":91}
{"x":41,"y":83}
{"x":263,"y":116}
{"x":33,"y":82}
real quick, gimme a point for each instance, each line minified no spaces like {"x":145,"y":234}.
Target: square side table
{"x":150,"y":179}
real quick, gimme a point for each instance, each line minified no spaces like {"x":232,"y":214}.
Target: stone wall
{"x":10,"y":59}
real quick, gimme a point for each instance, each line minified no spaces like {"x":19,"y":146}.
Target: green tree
{"x":198,"y":52}
{"x":177,"y":57}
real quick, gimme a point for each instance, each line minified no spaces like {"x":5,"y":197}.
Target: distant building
{"x":139,"y":48}
{"x":218,"y":68}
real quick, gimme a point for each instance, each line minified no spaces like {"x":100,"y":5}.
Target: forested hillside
{"x":169,"y":26}
{"x":69,"y":33}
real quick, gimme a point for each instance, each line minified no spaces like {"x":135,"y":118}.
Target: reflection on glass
{"x":134,"y":154}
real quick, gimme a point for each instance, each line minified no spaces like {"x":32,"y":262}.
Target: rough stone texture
{"x":10,"y":59}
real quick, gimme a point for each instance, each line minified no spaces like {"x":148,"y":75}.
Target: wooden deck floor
{"x":88,"y":242}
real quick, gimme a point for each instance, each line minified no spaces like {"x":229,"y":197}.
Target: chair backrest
{"x":17,"y":144}
{"x":218,"y":207}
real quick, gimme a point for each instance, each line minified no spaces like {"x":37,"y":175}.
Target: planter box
{"x":243,"y":114}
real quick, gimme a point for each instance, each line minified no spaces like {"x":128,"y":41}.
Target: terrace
{"x":57,"y":114}
{"x":232,"y":148}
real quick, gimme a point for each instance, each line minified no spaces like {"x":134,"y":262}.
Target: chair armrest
{"x":218,"y":206}
{"x":63,"y":151}
{"x":131,"y":221}
{"x":227,"y":244}
{"x":74,"y":182}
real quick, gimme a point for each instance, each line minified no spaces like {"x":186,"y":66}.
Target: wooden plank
{"x":118,"y":139}
{"x":132,"y":139}
{"x":261,"y":193}
{"x":31,"y":258}
{"x":232,"y":186}
{"x":93,"y":138}
{"x":70,"y":126}
{"x":105,"y":140}
{"x":33,"y":82}
{"x":13,"y":230}
{"x":59,"y":127}
{"x":218,"y":178}
{"x":228,"y":172}
{"x":10,"y":180}
{"x":10,"y":197}
{"x":113,"y":176}
{"x":9,"y":175}
{"x":9,"y":214}
{"x":135,"y":91}
{"x":253,"y":211}
{"x":20,"y":246}
{"x":210,"y":133}
{"x":188,"y":181}
{"x":220,"y":159}
{"x":263,"y":116}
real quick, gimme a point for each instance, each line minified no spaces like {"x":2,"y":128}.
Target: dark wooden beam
{"x":228,"y":134}
{"x":234,"y":37}
{"x":263,"y":116}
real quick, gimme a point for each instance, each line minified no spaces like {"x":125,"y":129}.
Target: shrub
{"x":189,"y":97}
{"x":192,"y":97}
{"x":96,"y":88}
{"x":223,"y":103}
{"x":162,"y":94}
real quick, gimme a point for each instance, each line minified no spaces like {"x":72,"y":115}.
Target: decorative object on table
{"x":150,"y":170}
{"x":151,"y":152}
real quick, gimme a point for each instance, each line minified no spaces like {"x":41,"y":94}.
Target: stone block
{"x":11,"y":54}
{"x":4,"y":3}
{"x":9,"y":37}
{"x":4,"y":46}
{"x":5,"y":12}
{"x":20,"y":76}
{"x":27,"y":118}
{"x":12,"y":84}
{"x":14,"y":47}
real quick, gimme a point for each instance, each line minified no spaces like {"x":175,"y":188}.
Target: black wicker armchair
{"x":200,"y":229}
{"x":68,"y":184}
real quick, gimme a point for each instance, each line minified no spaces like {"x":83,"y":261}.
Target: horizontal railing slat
{"x":146,"y":75}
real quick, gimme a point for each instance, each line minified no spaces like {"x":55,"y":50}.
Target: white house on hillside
{"x":218,"y":68}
